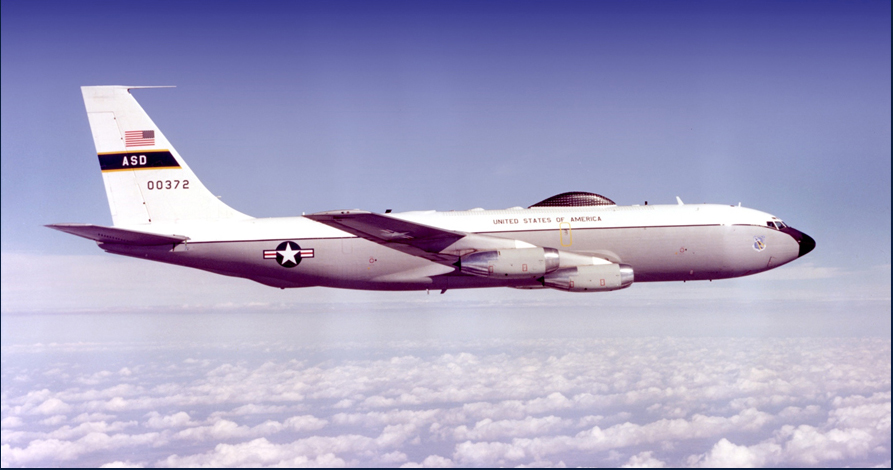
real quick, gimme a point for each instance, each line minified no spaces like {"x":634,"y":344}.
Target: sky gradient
{"x":290,"y":107}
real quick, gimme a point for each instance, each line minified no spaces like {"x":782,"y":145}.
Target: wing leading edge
{"x":432,"y":243}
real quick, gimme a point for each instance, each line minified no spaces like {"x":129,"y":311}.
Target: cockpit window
{"x":776,"y":224}
{"x":770,"y":224}
{"x":780,"y":225}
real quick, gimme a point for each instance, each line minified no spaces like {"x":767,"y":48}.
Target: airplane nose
{"x":806,"y":244}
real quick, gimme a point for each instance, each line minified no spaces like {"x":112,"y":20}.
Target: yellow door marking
{"x":564,"y":231}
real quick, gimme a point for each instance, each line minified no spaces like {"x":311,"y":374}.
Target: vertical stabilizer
{"x":145,"y":178}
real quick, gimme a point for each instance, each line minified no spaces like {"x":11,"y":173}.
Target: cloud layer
{"x":634,"y":402}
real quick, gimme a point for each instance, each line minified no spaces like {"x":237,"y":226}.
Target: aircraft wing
{"x":121,"y":236}
{"x":432,"y":243}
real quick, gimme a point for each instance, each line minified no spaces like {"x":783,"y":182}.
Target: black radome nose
{"x":806,"y":244}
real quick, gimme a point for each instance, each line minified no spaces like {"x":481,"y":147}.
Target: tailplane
{"x":145,"y":178}
{"x":119,"y":236}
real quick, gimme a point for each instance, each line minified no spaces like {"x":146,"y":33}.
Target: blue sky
{"x":290,"y":107}
{"x":295,"y":107}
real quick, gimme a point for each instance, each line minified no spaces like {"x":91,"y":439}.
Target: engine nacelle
{"x":599,"y":278}
{"x":511,"y":263}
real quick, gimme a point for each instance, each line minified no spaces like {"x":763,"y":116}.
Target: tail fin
{"x":145,"y":178}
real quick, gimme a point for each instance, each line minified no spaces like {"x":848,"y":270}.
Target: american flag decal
{"x":139,"y":138}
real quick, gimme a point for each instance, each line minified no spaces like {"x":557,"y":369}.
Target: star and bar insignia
{"x":288,"y":254}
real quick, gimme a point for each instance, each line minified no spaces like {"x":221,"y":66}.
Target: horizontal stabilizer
{"x":121,"y":236}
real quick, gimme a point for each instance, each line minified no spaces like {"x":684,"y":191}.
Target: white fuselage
{"x":660,"y":242}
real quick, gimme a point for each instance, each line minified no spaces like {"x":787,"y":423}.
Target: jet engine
{"x":511,"y":263}
{"x":604,"y":277}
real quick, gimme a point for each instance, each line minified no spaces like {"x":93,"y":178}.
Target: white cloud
{"x":487,"y":429}
{"x":811,"y":446}
{"x":52,"y":406}
{"x":431,"y":461}
{"x":120,"y":464}
{"x":397,"y":416}
{"x":176,"y":420}
{"x":304,"y":423}
{"x":93,"y":427}
{"x":633,"y":402}
{"x":11,"y":422}
{"x":863,"y":416}
{"x":64,"y":451}
{"x":224,"y":429}
{"x":643,"y":460}
{"x":253,"y":409}
{"x":617,"y":436}
{"x":727,"y":455}
{"x":393,"y":458}
{"x":54,"y":420}
{"x":311,"y":452}
{"x":87,"y":417}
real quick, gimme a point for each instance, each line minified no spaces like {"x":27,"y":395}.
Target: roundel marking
{"x":289,"y":254}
